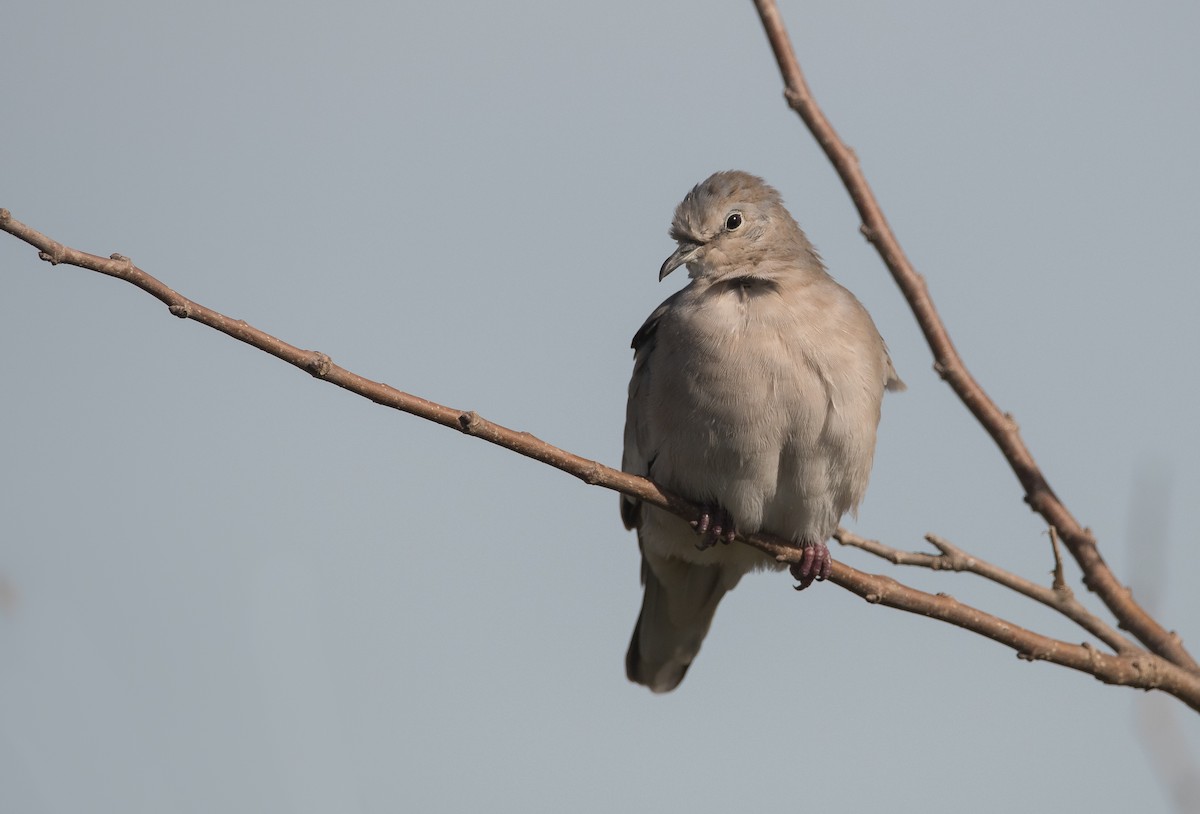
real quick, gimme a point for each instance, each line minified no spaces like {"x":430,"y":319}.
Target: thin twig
{"x":1138,"y":670}
{"x":953,"y":558}
{"x":1060,"y":584}
{"x":999,"y":425}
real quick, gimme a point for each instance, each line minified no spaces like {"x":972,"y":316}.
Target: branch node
{"x":591,"y":474}
{"x":1149,"y":674}
{"x":51,"y":258}
{"x":941,"y":370}
{"x":468,"y":422}
{"x":180,"y":310}
{"x":874,"y":599}
{"x":318,"y":365}
{"x":5,"y":215}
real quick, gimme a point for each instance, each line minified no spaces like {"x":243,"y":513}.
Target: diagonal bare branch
{"x":1140,"y":669}
{"x":999,"y":425}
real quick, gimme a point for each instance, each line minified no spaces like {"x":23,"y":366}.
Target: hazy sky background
{"x":229,"y":587}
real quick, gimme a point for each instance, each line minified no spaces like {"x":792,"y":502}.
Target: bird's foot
{"x":814,"y":565}
{"x":714,"y":526}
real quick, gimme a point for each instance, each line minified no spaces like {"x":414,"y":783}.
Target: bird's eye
{"x":733,"y":221}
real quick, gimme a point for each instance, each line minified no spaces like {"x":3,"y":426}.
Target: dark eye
{"x":733,"y":221}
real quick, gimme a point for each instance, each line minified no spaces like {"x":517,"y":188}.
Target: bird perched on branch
{"x":756,"y":393}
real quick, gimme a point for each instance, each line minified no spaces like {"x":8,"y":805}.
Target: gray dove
{"x":756,"y":393}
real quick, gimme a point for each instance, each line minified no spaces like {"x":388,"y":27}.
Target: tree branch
{"x":952,"y":558}
{"x":1138,"y":669}
{"x":949,"y":365}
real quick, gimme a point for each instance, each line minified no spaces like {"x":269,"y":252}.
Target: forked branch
{"x":952,"y":558}
{"x":999,"y":425}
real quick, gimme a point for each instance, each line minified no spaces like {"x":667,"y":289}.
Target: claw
{"x":814,"y":565}
{"x":714,"y":526}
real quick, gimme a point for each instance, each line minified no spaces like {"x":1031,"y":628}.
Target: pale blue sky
{"x":236,"y":589}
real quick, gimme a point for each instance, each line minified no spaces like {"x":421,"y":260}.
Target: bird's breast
{"x":738,"y":392}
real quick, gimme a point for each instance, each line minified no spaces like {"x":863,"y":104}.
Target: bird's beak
{"x":681,"y":256}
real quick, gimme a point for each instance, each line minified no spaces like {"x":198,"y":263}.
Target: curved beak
{"x":681,"y":256}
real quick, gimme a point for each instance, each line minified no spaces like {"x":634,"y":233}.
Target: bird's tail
{"x":677,"y":609}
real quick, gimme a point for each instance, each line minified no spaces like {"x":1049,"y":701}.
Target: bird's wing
{"x":640,"y":447}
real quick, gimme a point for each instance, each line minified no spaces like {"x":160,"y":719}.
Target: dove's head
{"x":734,"y":224}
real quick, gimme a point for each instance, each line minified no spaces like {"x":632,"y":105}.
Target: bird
{"x":756,"y":394}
